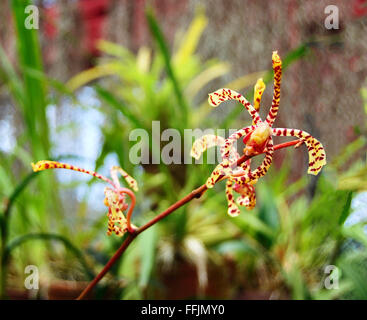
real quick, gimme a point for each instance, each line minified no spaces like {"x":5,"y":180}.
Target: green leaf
{"x":162,"y":45}
{"x":191,"y":38}
{"x":6,"y":214}
{"x":346,"y":210}
{"x":49,"y":237}
{"x":148,"y":242}
{"x":10,"y":77}
{"x":268,"y":209}
{"x":29,"y":57}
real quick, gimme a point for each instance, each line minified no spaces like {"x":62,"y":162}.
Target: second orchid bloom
{"x":115,"y":198}
{"x":258,"y":139}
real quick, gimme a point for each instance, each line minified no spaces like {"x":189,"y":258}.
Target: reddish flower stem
{"x":108,"y":266}
{"x":197,"y":193}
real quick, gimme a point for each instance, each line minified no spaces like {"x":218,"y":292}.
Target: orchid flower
{"x":258,"y":139}
{"x":114,"y":197}
{"x":247,"y":191}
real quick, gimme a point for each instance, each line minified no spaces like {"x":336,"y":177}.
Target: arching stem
{"x":133,"y":233}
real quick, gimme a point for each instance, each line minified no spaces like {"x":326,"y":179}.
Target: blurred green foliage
{"x":280,"y":249}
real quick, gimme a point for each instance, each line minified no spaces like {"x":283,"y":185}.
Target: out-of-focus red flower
{"x":51,"y":15}
{"x":94,"y":14}
{"x":359,"y":8}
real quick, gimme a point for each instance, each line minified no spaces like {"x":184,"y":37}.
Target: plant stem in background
{"x":195,"y":194}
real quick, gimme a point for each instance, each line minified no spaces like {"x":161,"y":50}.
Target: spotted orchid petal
{"x":233,"y":210}
{"x":229,"y":142}
{"x":221,"y":95}
{"x":221,"y":169}
{"x":133,"y":184}
{"x":47,"y":164}
{"x":247,"y":196}
{"x":258,"y":92}
{"x":316,"y":151}
{"x":261,"y":170}
{"x":277,"y":67}
{"x":202,"y":144}
{"x":116,"y":206}
{"x":248,"y":201}
{"x":207,"y":141}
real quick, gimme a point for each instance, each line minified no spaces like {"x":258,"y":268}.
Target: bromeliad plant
{"x":234,"y":168}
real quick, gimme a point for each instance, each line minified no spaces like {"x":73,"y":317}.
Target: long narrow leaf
{"x":49,"y":237}
{"x":161,"y":42}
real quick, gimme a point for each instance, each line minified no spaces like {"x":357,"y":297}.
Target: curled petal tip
{"x":276,"y":59}
{"x":315,"y":170}
{"x":246,"y":202}
{"x":234,"y":212}
{"x":260,"y":84}
{"x":133,"y":184}
{"x":258,"y":92}
{"x":195,"y":155}
{"x":202,"y":144}
{"x":211,"y":100}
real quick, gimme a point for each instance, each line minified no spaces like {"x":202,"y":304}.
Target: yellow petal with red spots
{"x":221,"y":95}
{"x":316,"y":151}
{"x":233,"y":210}
{"x":258,"y":92}
{"x":48,"y":164}
{"x":205,"y":142}
{"x":277,"y":67}
{"x":133,"y":184}
{"x":116,"y":205}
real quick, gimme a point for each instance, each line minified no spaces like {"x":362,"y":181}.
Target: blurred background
{"x":75,"y":88}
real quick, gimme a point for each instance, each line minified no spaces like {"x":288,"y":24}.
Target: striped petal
{"x":261,"y":170}
{"x":228,"y":144}
{"x":221,"y":95}
{"x":258,"y":92}
{"x":277,"y":67}
{"x":133,"y":184}
{"x":233,"y":210}
{"x":247,"y":197}
{"x":116,"y":206}
{"x":47,"y":164}
{"x":316,"y":152}
{"x":221,"y":169}
{"x":207,"y":141}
